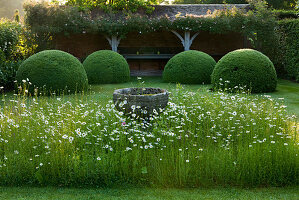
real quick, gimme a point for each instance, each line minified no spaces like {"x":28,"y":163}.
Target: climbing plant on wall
{"x":116,"y":5}
{"x":257,"y":25}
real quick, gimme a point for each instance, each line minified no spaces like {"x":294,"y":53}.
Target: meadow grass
{"x":41,"y":193}
{"x":201,"y":139}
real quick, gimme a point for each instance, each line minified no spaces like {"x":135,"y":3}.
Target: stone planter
{"x":140,"y":101}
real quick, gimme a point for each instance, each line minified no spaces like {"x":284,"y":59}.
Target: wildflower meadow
{"x":200,"y":139}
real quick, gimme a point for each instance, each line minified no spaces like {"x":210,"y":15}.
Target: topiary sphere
{"x":106,"y":66}
{"x":189,"y":67}
{"x":54,"y":71}
{"x":245,"y":67}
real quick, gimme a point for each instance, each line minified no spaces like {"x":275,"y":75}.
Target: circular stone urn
{"x":140,"y":101}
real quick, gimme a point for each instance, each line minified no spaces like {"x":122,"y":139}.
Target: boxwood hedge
{"x":245,"y":67}
{"x":106,"y":66}
{"x":53,"y":70}
{"x":189,"y":67}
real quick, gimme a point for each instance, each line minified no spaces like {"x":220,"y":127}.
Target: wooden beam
{"x":179,"y":36}
{"x":186,"y":41}
{"x":114,"y":42}
{"x":109,"y":40}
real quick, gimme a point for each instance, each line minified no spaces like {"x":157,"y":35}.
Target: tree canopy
{"x":129,"y":5}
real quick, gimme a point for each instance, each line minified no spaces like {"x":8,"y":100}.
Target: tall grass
{"x":198,"y":140}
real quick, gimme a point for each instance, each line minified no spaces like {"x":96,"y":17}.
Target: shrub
{"x":189,"y":67}
{"x":289,"y":32}
{"x":16,"y":41}
{"x":8,"y":72}
{"x":106,"y":66}
{"x":245,"y":67}
{"x":284,"y":14}
{"x":54,"y":70}
{"x":9,"y":37}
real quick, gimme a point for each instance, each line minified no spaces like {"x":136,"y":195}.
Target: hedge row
{"x":286,"y":14}
{"x":289,"y":47}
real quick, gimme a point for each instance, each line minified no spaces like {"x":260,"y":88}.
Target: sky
{"x":8,"y":7}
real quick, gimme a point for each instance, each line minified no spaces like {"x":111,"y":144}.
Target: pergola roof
{"x":181,"y":10}
{"x":193,"y":9}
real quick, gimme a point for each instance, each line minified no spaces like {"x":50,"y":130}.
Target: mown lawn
{"x":290,"y":92}
{"x":30,"y":193}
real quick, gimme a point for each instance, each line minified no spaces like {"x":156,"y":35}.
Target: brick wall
{"x":81,"y":45}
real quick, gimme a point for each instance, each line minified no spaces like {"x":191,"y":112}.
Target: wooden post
{"x":114,"y":42}
{"x":186,"y":41}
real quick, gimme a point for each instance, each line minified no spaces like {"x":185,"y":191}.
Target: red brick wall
{"x":81,"y":45}
{"x":216,"y":44}
{"x":154,"y":39}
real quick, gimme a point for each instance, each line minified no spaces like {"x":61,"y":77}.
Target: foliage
{"x":8,"y":72}
{"x":282,"y":4}
{"x":277,"y":4}
{"x":289,"y":32}
{"x":16,"y":41}
{"x":200,"y":139}
{"x":53,"y":71}
{"x":106,"y":66}
{"x":53,"y":19}
{"x":27,"y":45}
{"x":245,"y":68}
{"x":189,"y":67}
{"x":9,"y":37}
{"x":265,"y":38}
{"x":210,"y":2}
{"x":283,"y":14}
{"x":258,"y":25}
{"x":115,"y":5}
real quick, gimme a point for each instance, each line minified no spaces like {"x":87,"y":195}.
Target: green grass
{"x":285,"y":89}
{"x":269,"y":164}
{"x":290,"y":92}
{"x":201,"y":139}
{"x":30,"y":193}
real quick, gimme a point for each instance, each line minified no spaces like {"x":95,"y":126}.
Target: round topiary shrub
{"x":245,"y":67}
{"x":189,"y":67}
{"x":54,"y":71}
{"x":106,"y":66}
